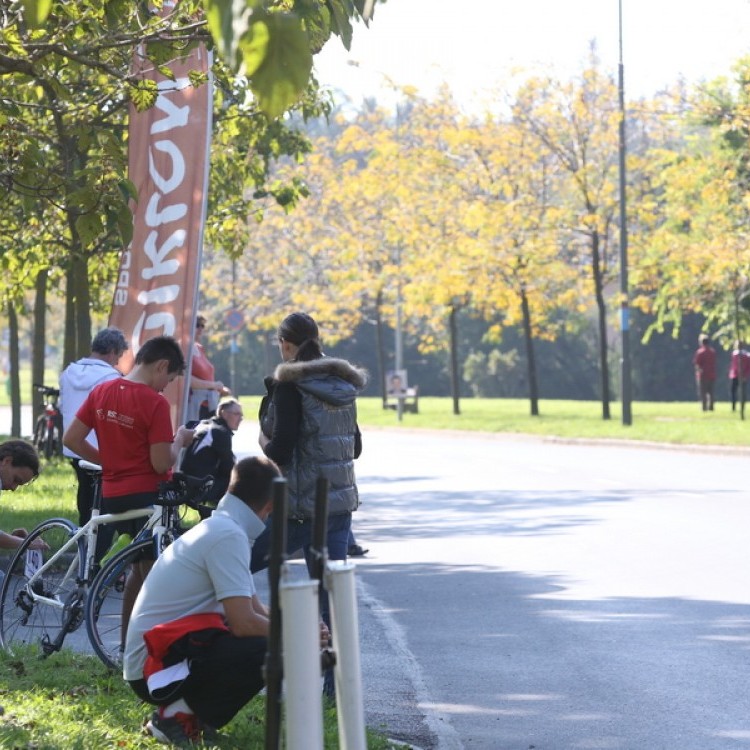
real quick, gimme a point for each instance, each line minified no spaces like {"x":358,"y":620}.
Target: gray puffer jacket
{"x":325,"y":447}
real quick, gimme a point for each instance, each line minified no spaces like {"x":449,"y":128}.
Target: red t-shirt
{"x":128,"y":419}
{"x":705,"y":362}
{"x":200,"y":367}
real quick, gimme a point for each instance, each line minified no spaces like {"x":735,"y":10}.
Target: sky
{"x":475,"y":45}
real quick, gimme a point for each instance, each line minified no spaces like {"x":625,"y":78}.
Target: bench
{"x":409,"y":400}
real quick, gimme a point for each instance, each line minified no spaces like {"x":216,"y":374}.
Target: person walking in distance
{"x":704,"y":361}
{"x":309,"y":428}
{"x":77,"y":380}
{"x":739,"y":372}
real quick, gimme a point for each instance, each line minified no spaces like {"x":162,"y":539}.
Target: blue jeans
{"x":299,"y":536}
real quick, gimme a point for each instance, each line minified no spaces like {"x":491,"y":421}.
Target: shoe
{"x":180,"y":730}
{"x":355,"y":550}
{"x":211,"y":735}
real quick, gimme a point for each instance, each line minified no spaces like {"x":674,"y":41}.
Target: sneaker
{"x":211,"y":735}
{"x":355,"y":550}
{"x":180,"y":730}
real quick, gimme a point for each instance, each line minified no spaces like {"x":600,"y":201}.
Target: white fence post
{"x":301,"y":658}
{"x":340,"y":583}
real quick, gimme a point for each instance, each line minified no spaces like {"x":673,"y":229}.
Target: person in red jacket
{"x":738,"y":374}
{"x":704,"y":361}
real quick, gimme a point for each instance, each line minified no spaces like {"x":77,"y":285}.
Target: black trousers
{"x":226,"y":675}
{"x":85,"y":494}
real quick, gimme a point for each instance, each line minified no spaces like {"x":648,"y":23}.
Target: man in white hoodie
{"x":76,"y":382}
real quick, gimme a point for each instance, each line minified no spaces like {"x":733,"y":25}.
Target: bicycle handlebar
{"x":47,"y":390}
{"x":183,"y":489}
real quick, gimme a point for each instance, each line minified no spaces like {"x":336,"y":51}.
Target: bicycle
{"x":48,"y":430}
{"x":47,"y":595}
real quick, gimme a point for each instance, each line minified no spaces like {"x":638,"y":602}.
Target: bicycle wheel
{"x":49,"y":443}
{"x":105,"y":601}
{"x":39,"y":434}
{"x":25,"y":620}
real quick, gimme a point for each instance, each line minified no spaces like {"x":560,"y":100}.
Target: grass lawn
{"x":667,"y":422}
{"x":71,"y":701}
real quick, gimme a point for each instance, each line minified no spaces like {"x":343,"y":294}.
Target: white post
{"x":300,"y":630}
{"x":345,"y":626}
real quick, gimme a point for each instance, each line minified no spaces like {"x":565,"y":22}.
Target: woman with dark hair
{"x":309,"y":428}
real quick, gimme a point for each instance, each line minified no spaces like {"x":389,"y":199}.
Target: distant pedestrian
{"x":738,"y":373}
{"x":704,"y":361}
{"x":205,"y":390}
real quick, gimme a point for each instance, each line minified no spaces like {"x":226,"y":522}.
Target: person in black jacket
{"x":210,"y":453}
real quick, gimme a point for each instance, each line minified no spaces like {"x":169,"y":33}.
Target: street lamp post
{"x":625,"y":382}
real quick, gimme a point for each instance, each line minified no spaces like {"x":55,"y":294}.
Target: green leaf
{"x":11,"y":37}
{"x":197,"y":78}
{"x":125,"y":225}
{"x":285,"y":71}
{"x":35,"y":12}
{"x":128,"y":190}
{"x":84,"y":198}
{"x":228,"y":21}
{"x":341,"y":11}
{"x":166,"y":71}
{"x":89,"y":227}
{"x":143,"y":94}
{"x":254,"y":45}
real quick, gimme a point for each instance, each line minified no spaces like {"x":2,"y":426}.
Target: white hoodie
{"x":76,"y":382}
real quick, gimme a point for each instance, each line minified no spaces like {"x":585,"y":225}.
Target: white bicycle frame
{"x":89,"y":530}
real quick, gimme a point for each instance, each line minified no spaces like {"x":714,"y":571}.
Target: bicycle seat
{"x":88,"y":466}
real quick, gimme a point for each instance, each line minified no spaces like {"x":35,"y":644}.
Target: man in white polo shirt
{"x":199,"y":613}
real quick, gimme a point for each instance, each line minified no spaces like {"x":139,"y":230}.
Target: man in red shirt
{"x":136,"y":448}
{"x":704,"y":360}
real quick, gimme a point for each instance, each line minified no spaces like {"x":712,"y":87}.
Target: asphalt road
{"x":523,"y":594}
{"x":526,"y":594}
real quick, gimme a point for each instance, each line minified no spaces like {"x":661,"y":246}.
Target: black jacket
{"x":210,"y":453}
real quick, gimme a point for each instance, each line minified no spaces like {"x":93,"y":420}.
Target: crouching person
{"x":197,"y":637}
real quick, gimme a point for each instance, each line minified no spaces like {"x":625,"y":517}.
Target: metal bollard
{"x":272,"y":667}
{"x":348,"y":673}
{"x":303,"y":697}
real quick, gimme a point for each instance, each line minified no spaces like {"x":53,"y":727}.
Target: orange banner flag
{"x":168,"y":148}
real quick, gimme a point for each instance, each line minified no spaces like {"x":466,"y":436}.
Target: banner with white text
{"x":168,"y":148}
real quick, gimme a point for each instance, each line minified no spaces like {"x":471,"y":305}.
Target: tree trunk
{"x":530,"y":357}
{"x":14,"y":362}
{"x":380,"y":339}
{"x":455,"y":386}
{"x":83,"y":307}
{"x":38,"y":342}
{"x":69,"y":341}
{"x":601,"y":308}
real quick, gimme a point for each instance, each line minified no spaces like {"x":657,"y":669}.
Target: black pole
{"x":273,"y":663}
{"x":625,"y":381}
{"x":318,"y":549}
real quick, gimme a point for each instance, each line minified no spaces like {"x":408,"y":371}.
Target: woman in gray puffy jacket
{"x":309,"y":428}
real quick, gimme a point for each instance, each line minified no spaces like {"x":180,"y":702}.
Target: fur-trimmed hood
{"x":333,"y":380}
